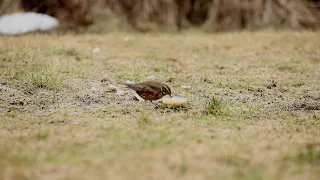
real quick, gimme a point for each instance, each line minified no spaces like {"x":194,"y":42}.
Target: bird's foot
{"x":156,"y":106}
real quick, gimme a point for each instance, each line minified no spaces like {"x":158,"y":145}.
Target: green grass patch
{"x":310,"y":154}
{"x":44,"y":79}
{"x":215,"y":107}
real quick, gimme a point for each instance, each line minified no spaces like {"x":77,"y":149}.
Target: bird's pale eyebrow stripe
{"x":167,"y":89}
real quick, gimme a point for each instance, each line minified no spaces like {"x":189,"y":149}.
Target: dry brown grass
{"x":60,"y":121}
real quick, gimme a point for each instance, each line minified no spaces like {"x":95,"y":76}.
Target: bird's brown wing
{"x":139,"y":87}
{"x":153,"y":84}
{"x":146,"y":93}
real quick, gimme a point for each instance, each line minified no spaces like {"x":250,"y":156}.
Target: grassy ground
{"x":59,"y":119}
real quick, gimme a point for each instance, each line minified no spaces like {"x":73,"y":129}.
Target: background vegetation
{"x":146,"y":15}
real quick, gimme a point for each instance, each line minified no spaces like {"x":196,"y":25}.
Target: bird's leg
{"x":154,"y":104}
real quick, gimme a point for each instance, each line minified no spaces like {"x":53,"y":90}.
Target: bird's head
{"x":166,"y":90}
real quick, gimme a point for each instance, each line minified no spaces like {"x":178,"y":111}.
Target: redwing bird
{"x":150,"y":90}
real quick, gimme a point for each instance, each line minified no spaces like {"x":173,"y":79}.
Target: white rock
{"x":151,"y":77}
{"x":113,"y":87}
{"x":126,"y":38}
{"x":95,"y":50}
{"x":130,"y":82}
{"x":94,"y":89}
{"x":120,"y":92}
{"x":186,"y":87}
{"x":20,"y":23}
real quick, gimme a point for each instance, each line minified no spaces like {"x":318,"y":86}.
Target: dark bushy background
{"x":143,"y":15}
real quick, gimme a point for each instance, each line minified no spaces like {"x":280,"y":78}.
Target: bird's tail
{"x":122,"y":83}
{"x":133,"y":86}
{"x":126,"y":84}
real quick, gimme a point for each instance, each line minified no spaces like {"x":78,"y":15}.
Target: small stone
{"x":269,"y":86}
{"x":95,"y":50}
{"x":120,"y":92}
{"x":113,"y":87}
{"x":151,"y":77}
{"x":186,"y":87}
{"x":130,"y":82}
{"x":94,"y":89}
{"x":126,"y":38}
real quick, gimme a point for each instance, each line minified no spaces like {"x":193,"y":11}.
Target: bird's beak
{"x":170,"y":95}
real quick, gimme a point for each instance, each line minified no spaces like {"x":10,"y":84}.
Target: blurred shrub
{"x":220,"y":14}
{"x":8,"y":6}
{"x":72,"y":12}
{"x":213,"y":15}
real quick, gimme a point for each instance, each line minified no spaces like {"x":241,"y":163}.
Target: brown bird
{"x":150,"y":90}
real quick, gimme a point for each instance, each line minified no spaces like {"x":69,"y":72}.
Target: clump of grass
{"x":136,"y":76}
{"x":44,"y":79}
{"x":13,"y":112}
{"x":66,"y":52}
{"x":143,"y":120}
{"x":183,"y":167}
{"x":252,"y":172}
{"x":40,"y":79}
{"x":213,"y":107}
{"x":311,"y":154}
{"x":42,"y":135}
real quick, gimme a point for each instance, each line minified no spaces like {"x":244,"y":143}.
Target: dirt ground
{"x":59,"y":118}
